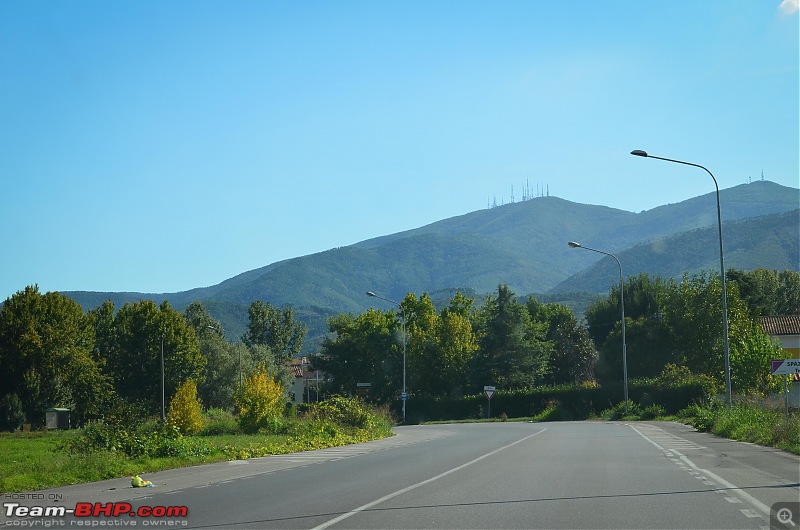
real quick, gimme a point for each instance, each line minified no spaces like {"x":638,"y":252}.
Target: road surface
{"x":590,"y":474}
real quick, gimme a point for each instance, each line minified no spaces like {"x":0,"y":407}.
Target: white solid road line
{"x":418,"y":484}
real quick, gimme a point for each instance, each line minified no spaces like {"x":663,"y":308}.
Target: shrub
{"x":219,"y":421}
{"x":145,"y":440}
{"x":185,"y":411}
{"x":260,"y":402}
{"x":348,"y":412}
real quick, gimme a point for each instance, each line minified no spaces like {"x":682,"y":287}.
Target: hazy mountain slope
{"x":771,"y":241}
{"x":522,"y":244}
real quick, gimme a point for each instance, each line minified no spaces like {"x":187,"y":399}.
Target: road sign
{"x":785,"y":367}
{"x":404,"y":396}
{"x":489,"y":391}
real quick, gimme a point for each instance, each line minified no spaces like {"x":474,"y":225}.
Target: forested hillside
{"x":522,"y":245}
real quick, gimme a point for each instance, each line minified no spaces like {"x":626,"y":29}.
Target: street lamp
{"x":639,"y":152}
{"x":163,"y":407}
{"x":573,"y":244}
{"x":405,"y":394}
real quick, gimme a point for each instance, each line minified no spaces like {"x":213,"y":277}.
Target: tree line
{"x":53,"y":354}
{"x":511,"y":344}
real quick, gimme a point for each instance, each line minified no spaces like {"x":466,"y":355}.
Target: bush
{"x":260,"y":402}
{"x":350,"y":414}
{"x":185,"y":411}
{"x":219,"y":421}
{"x":145,"y":440}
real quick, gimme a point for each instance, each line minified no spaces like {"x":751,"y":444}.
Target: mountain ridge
{"x":521,"y":244}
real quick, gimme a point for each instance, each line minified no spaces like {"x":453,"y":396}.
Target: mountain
{"x":770,"y":241}
{"x":521,"y":244}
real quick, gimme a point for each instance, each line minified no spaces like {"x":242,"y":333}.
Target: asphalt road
{"x":498,"y":475}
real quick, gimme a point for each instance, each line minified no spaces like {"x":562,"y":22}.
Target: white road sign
{"x":785,"y":367}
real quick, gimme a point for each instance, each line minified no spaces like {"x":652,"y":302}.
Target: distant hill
{"x":521,"y":244}
{"x":771,"y":241}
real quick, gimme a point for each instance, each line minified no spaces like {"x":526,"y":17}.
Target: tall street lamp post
{"x":405,"y":394}
{"x":573,"y":244}
{"x":644,"y":154}
{"x":163,"y":406}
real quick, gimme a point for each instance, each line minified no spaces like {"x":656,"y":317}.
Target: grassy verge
{"x":41,"y":460}
{"x":748,"y":421}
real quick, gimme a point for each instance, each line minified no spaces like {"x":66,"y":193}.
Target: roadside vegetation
{"x":121,"y":370}
{"x":120,"y":448}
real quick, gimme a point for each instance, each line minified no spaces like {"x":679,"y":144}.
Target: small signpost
{"x":489,"y":391}
{"x":785,"y":367}
{"x":362,"y":389}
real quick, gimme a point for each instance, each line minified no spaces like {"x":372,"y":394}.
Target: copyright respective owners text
{"x":784,"y":515}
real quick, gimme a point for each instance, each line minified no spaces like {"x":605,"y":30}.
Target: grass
{"x":749,"y":420}
{"x":753,"y":420}
{"x":40,"y":460}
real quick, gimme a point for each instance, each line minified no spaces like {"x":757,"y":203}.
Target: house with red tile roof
{"x":785,"y":329}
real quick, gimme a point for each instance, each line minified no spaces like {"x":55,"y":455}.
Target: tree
{"x":513,"y":352}
{"x":134,"y":361}
{"x":185,"y":410}
{"x":12,"y":414}
{"x":456,"y":344}
{"x":768,"y":292}
{"x":46,"y":344}
{"x":648,"y":347}
{"x":276,"y":329}
{"x":693,"y":315}
{"x":224,"y":361}
{"x":363,"y":349}
{"x":573,"y":355}
{"x":642,"y":295}
{"x":260,"y":401}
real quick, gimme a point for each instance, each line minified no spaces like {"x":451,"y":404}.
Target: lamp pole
{"x":639,"y":152}
{"x":163,"y":409}
{"x":573,"y":244}
{"x":405,"y":395}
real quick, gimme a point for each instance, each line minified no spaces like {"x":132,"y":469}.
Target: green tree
{"x":46,"y":345}
{"x":363,"y":349}
{"x":648,"y":347}
{"x":276,"y":329}
{"x":456,"y":347}
{"x":768,"y":292}
{"x":513,"y":352}
{"x":134,"y":361}
{"x":224,"y":361}
{"x":12,"y":415}
{"x":693,"y":315}
{"x":642,"y":295}
{"x":573,"y":355}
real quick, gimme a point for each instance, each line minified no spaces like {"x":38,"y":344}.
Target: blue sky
{"x":161,"y":146}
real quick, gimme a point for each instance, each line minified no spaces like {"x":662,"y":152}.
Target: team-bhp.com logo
{"x":95,"y":510}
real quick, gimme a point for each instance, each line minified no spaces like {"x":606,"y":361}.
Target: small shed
{"x":57,"y":419}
